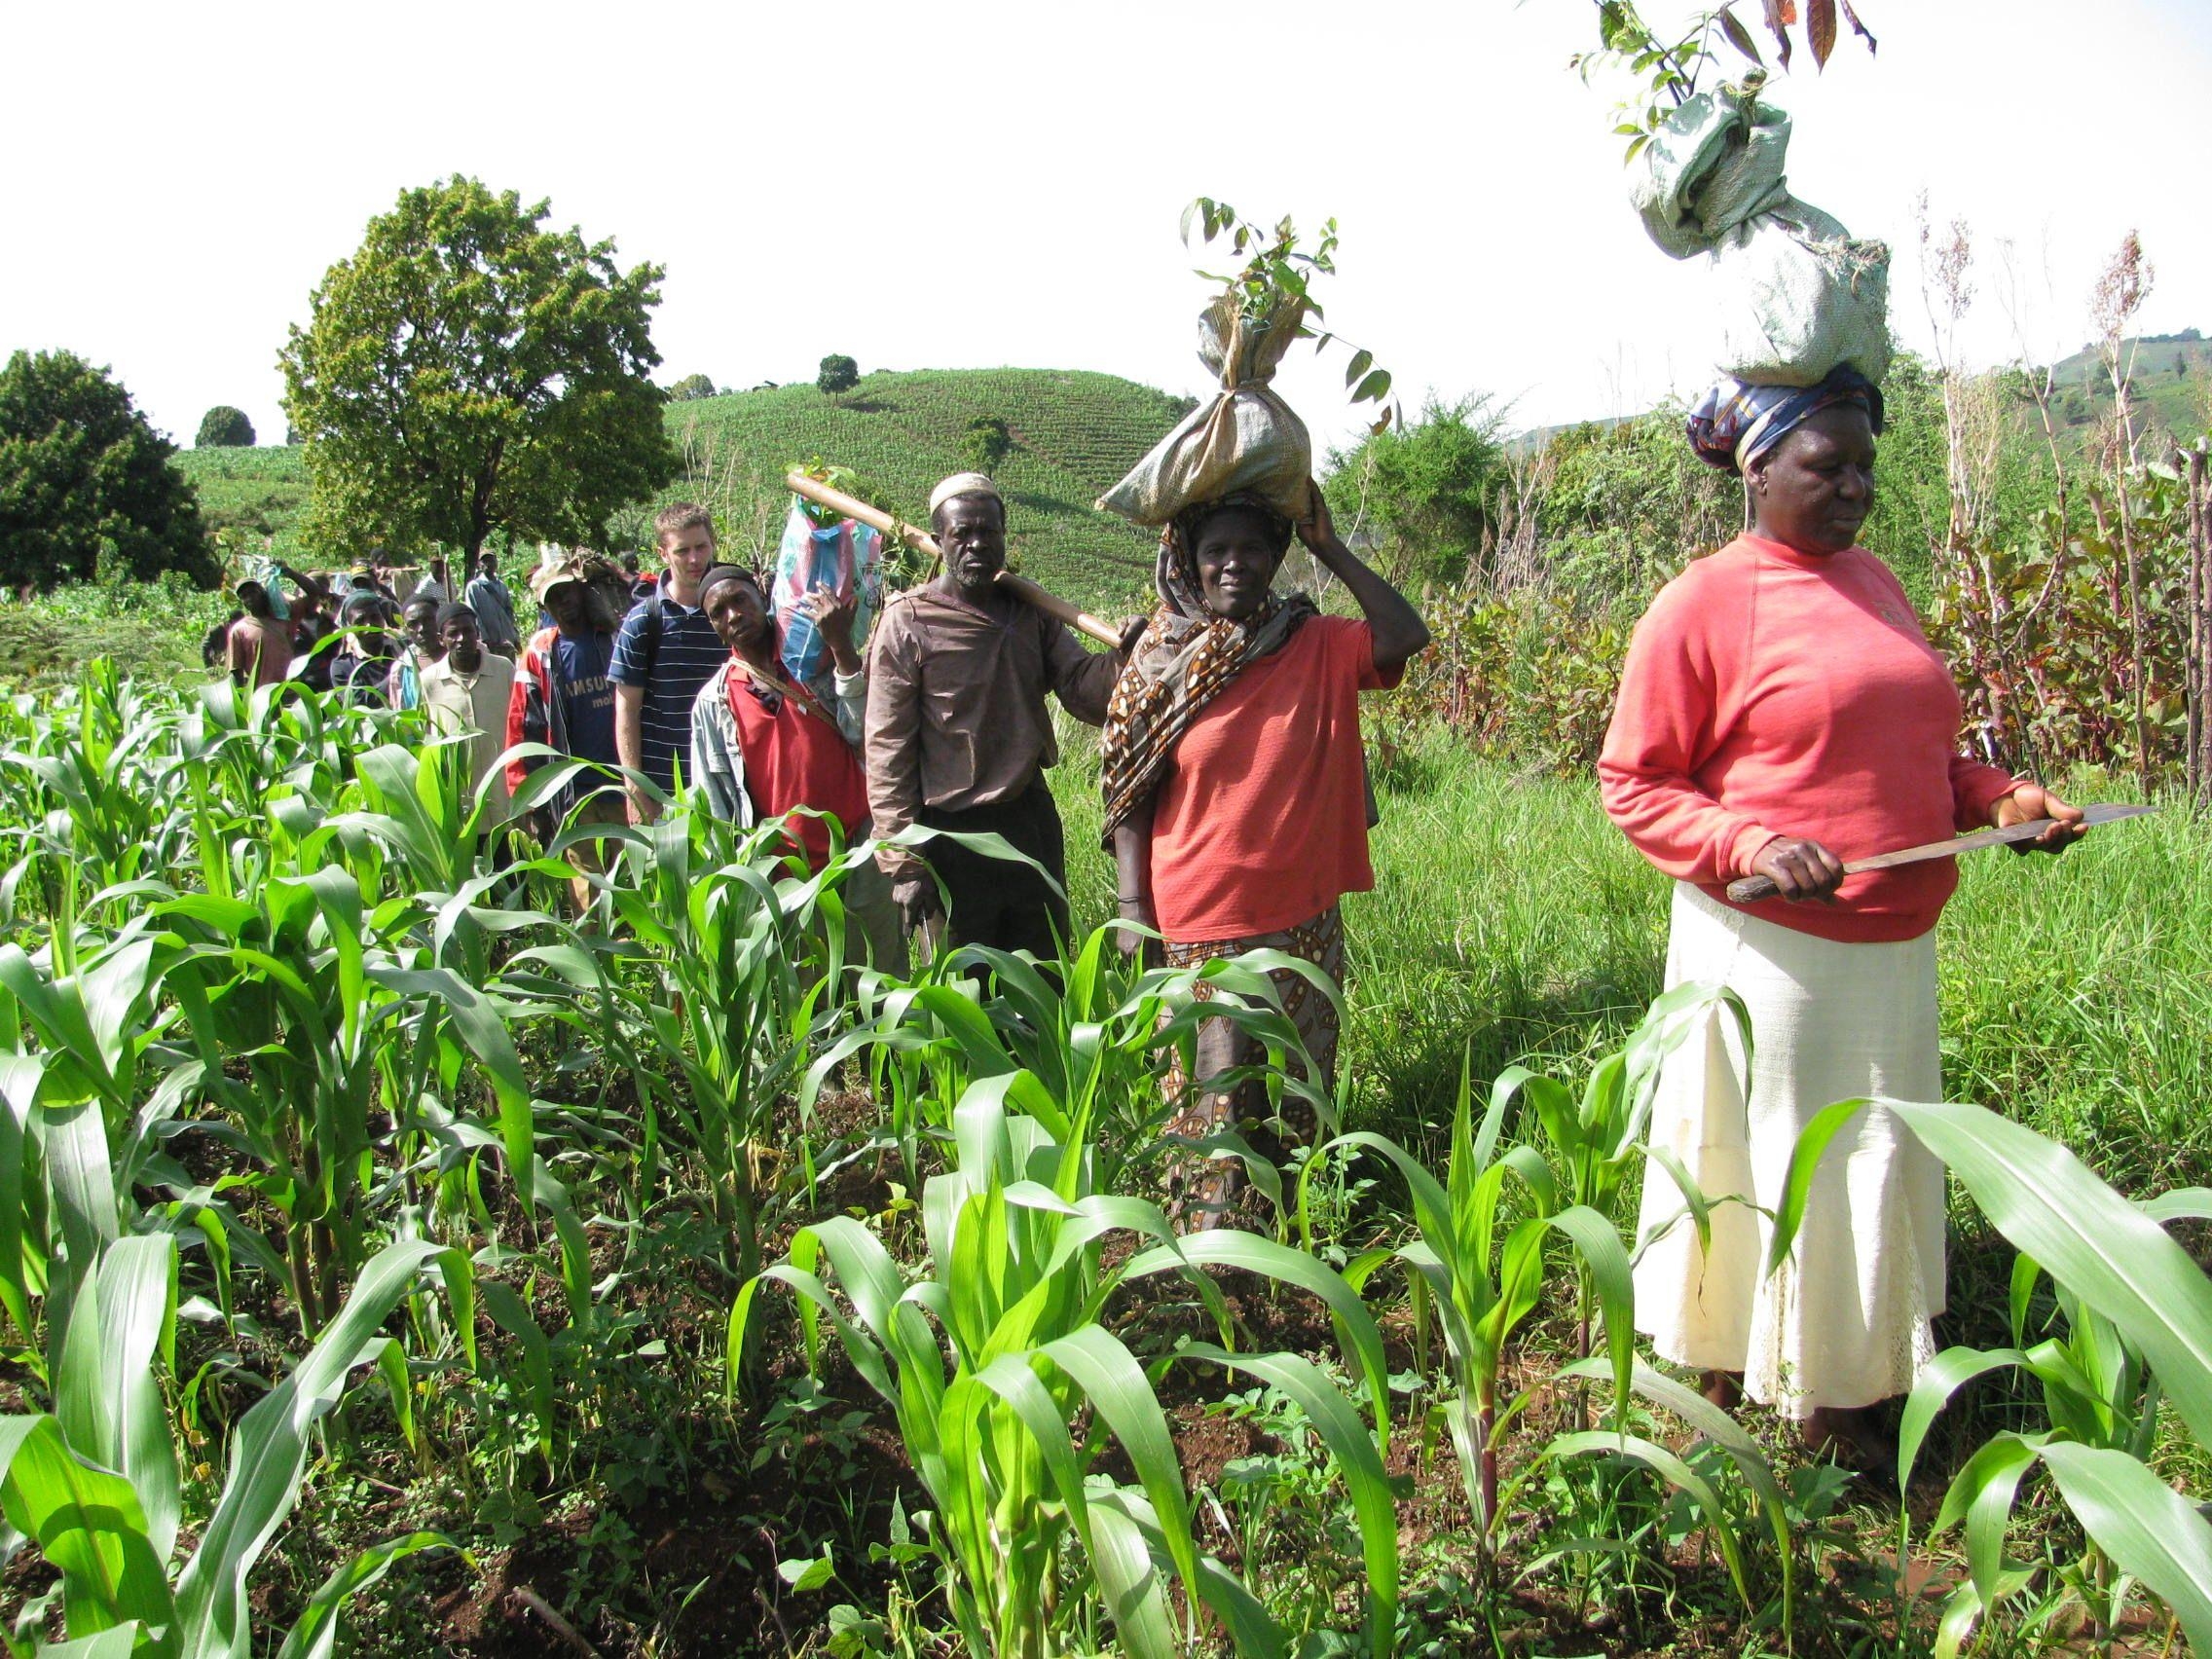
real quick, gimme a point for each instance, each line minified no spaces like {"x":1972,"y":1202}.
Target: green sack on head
{"x":1711,"y":163}
{"x":1799,"y":295}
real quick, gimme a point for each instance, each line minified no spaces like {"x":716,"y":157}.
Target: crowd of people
{"x":1780,"y":713}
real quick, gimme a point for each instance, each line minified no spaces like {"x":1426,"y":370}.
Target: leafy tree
{"x":1429,"y":488}
{"x":224,"y":427}
{"x":988,"y":443}
{"x":839,"y":373}
{"x":471,"y":371}
{"x":86,"y":485}
{"x":691,"y":389}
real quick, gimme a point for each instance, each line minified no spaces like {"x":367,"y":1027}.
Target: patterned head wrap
{"x":1733,"y":425}
{"x":1186,"y":658}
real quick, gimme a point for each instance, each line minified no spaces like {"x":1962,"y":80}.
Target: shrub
{"x":224,"y":427}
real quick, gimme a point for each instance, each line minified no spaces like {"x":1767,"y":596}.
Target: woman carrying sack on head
{"x":1779,"y":713}
{"x":1235,"y":799}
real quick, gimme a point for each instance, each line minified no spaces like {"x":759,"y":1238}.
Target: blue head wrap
{"x":1733,"y":425}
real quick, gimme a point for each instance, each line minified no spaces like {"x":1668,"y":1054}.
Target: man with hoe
{"x":666,"y":650}
{"x":957,"y":735}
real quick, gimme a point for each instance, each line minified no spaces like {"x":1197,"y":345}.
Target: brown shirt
{"x":261,"y":649}
{"x":956,"y":713}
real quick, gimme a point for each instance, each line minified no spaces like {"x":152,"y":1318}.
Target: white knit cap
{"x":964,"y":484}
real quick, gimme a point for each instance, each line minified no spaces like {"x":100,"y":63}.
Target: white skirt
{"x":1844,"y":1322}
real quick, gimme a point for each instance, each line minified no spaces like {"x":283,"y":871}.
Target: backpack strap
{"x":655,"y":620}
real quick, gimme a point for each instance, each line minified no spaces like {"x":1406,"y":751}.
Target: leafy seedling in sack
{"x":1669,"y":70}
{"x":1276,"y":272}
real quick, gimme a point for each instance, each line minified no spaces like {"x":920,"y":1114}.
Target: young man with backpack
{"x":665,"y":652}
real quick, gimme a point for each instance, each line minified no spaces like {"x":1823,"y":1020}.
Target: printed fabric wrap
{"x":1186,"y":658}
{"x":1733,"y":425}
{"x":847,"y":559}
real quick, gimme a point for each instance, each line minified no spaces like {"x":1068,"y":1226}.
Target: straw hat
{"x":559,"y":566}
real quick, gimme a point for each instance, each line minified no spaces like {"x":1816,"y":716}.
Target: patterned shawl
{"x":1186,"y":659}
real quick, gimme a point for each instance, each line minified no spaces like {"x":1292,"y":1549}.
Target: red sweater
{"x":1770,"y":692}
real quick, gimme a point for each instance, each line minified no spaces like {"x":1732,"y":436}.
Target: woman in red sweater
{"x":1236,"y":793}
{"x":1781,"y":713}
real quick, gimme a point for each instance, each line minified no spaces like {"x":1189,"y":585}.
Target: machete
{"x":1752,"y":888}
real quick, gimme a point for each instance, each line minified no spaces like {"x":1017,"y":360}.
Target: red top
{"x":1769,"y":692}
{"x":798,"y":758}
{"x":1261,"y":823}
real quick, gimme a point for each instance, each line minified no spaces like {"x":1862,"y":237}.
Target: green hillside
{"x":2172,"y":380}
{"x":1074,"y":434}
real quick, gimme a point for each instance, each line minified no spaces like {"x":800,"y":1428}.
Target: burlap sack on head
{"x":1798,"y":295}
{"x":1244,"y":438}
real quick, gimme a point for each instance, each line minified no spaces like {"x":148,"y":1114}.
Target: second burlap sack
{"x":1244,"y":439}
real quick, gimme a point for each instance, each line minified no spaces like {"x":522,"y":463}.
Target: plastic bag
{"x":846,"y":558}
{"x":1798,"y":295}
{"x":1244,"y":439}
{"x":270,"y":576}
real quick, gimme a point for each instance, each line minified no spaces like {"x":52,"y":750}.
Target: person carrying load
{"x":957,"y":735}
{"x":1234,"y":772}
{"x":1781,"y":712}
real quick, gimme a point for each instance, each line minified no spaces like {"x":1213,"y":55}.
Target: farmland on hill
{"x":1073,"y":434}
{"x":2171,"y":375}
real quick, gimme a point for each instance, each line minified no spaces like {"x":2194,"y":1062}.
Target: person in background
{"x":363,"y":663}
{"x":494,"y":606}
{"x":468,"y":690}
{"x":1237,"y":802}
{"x":214,"y":645}
{"x":957,"y":735}
{"x":419,"y":623}
{"x":563,"y":699}
{"x":311,"y":628}
{"x":1782,"y":712}
{"x":665,"y":652}
{"x":258,"y":648}
{"x":643,"y":584}
{"x":433,"y":586}
{"x":764,"y":746}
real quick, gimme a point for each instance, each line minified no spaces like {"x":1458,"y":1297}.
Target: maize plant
{"x":2140,"y":1330}
{"x":1483,"y":1277}
{"x":994,"y":1357}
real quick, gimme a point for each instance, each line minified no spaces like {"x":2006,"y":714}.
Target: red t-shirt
{"x":795,"y":759}
{"x":1261,"y":823}
{"x":1771,"y":692}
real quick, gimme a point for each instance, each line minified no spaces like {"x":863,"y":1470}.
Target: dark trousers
{"x":996,"y":901}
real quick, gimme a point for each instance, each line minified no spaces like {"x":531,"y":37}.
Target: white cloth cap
{"x":964,"y":484}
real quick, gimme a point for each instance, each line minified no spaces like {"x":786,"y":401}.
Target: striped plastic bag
{"x":843,"y":555}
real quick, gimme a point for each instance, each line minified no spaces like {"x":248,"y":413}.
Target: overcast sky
{"x":970,"y":185}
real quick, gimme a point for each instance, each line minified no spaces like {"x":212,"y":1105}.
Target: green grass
{"x":151,"y":630}
{"x":1074,"y":434}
